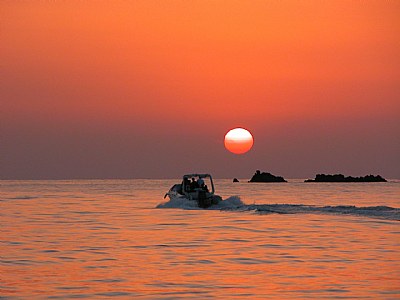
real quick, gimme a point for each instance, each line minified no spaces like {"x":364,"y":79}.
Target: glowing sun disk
{"x":238,"y":141}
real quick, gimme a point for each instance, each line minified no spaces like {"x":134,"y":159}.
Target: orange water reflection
{"x":106,"y":242}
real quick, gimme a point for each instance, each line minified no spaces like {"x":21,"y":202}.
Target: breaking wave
{"x":234,"y":203}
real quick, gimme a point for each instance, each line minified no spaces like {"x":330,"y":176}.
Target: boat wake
{"x":234,"y":203}
{"x":382,"y":212}
{"x":230,"y":203}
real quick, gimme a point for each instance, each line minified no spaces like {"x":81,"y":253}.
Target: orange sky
{"x":140,"y":74}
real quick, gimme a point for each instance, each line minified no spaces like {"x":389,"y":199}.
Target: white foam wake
{"x":232,"y":202}
{"x":182,"y":203}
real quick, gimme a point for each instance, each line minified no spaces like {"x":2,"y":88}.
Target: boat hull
{"x":202,"y":201}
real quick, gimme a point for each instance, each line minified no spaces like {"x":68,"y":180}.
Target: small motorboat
{"x":195,"y":187}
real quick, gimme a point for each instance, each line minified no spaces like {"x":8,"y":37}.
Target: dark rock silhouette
{"x":342,"y":178}
{"x":235,"y":180}
{"x":266,"y":177}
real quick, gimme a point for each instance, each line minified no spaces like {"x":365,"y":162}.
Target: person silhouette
{"x":200,"y":182}
{"x":193,"y":185}
{"x":186,"y":183}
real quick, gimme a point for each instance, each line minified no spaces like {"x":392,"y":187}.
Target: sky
{"x":148,"y":89}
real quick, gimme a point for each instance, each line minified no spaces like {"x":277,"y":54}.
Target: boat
{"x":195,"y":187}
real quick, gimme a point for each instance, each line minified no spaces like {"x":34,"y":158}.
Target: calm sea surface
{"x":107,"y":239}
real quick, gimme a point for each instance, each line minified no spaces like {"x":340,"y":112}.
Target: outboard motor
{"x":203,"y":201}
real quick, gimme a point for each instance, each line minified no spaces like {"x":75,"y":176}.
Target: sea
{"x":106,"y":239}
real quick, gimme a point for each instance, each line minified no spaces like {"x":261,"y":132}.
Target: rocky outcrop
{"x":266,"y":177}
{"x":235,"y":180}
{"x":342,"y":178}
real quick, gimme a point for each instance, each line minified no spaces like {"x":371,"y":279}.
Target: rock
{"x":235,"y":180}
{"x":342,"y":178}
{"x":266,"y":177}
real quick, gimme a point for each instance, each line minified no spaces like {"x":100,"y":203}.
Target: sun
{"x":238,"y":140}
